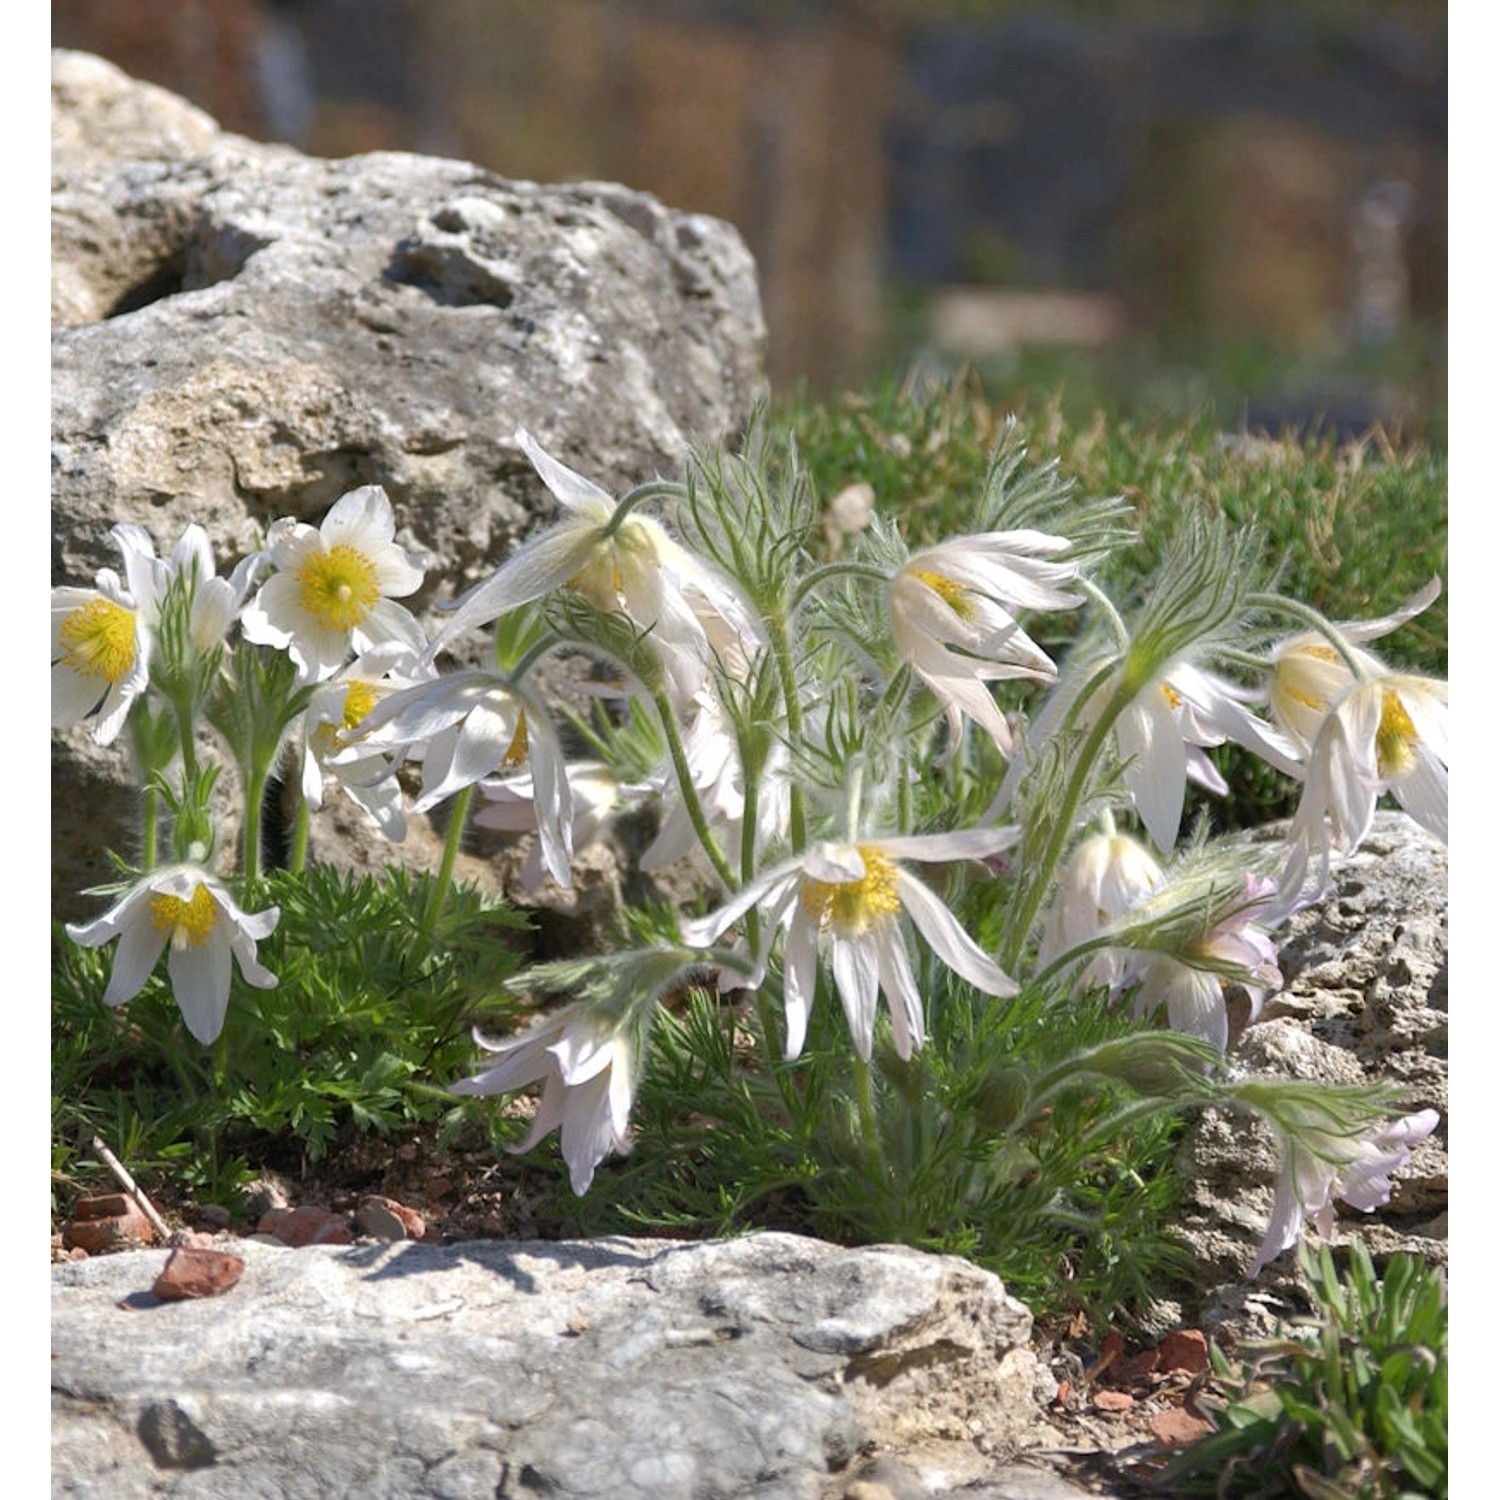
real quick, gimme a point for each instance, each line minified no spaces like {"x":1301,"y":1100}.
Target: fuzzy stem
{"x":781,"y":650}
{"x":300,"y":830}
{"x":864,"y":1099}
{"x":690,"y":792}
{"x":1309,"y":616}
{"x":150,"y":824}
{"x":444,"y":881}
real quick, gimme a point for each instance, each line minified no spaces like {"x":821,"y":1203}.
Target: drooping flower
{"x":335,"y":711}
{"x":847,"y":899}
{"x":186,"y":910}
{"x":953,"y":620}
{"x":1189,"y":982}
{"x":1310,"y":677}
{"x":1322,"y":1160}
{"x":1108,"y":875}
{"x":464,"y":726}
{"x":1386,"y":734}
{"x":587,"y":1068}
{"x":101,"y":642}
{"x":335,"y":585}
{"x":634,"y":568}
{"x":511,"y":807}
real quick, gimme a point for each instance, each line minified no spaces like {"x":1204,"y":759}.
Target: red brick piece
{"x":192,"y":1273}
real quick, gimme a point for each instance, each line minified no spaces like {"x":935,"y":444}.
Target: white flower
{"x":101,"y":642}
{"x":1310,"y":677}
{"x":634,"y":568}
{"x":1162,"y":734}
{"x":336,"y":709}
{"x":511,"y":807}
{"x":215,"y":601}
{"x":951,"y":617}
{"x":1108,"y":875}
{"x":1190,"y":982}
{"x":586,"y":1067}
{"x":185,"y":909}
{"x":467,"y":725}
{"x":334,"y":585}
{"x":848,"y":897}
{"x":1387,"y":734}
{"x":1319,"y":1164}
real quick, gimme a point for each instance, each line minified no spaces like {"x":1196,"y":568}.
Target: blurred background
{"x":1146,"y":207}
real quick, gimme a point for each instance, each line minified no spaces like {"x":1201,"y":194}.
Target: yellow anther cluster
{"x":338,"y":588}
{"x":188,"y":923}
{"x":1395,"y":739}
{"x":850,"y":907}
{"x":98,"y":640}
{"x":952,"y":593}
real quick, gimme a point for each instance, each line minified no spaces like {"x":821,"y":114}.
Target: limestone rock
{"x":242,"y":331}
{"x":759,"y":1366}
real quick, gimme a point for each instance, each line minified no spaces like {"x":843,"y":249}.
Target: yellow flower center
{"x":953,"y":594}
{"x":359,"y":699}
{"x":1290,"y":682}
{"x":850,"y":907}
{"x":519,"y":745}
{"x":1173,"y":697}
{"x":338,"y":587}
{"x":98,"y":640}
{"x":1395,"y":740}
{"x":187,"y":922}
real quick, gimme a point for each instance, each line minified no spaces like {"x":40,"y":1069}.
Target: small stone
{"x":386,"y":1219}
{"x":214,"y":1216}
{"x":192,"y":1272}
{"x":439,"y":1186}
{"x":1175,"y":1428}
{"x":1186,"y":1350}
{"x":308,"y":1225}
{"x":111,"y":1221}
{"x":1113,"y":1401}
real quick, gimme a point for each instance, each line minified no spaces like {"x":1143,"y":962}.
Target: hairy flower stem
{"x":1317,"y":622}
{"x":456,"y":820}
{"x":690,"y":793}
{"x":748,"y":823}
{"x":642,"y":492}
{"x":300,"y":829}
{"x":150,"y":824}
{"x":864,"y":1099}
{"x":781,"y":649}
{"x":255,"y":796}
{"x":1062,"y":828}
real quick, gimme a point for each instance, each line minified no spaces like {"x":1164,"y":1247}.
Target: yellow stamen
{"x":516,"y":754}
{"x":1395,"y":740}
{"x":98,"y":640}
{"x":850,"y":907}
{"x":1173,"y":697}
{"x":359,"y":699}
{"x":188,"y":922}
{"x":338,"y":587}
{"x":1289,"y":682}
{"x":953,"y":594}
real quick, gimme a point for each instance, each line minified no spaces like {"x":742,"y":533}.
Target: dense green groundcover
{"x":373,"y":1013}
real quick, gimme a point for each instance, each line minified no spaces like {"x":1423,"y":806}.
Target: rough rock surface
{"x":1365,"y":1000}
{"x":762,"y":1366}
{"x":242,"y":331}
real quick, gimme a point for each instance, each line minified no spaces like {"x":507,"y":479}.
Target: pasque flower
{"x":587,"y":1068}
{"x":186,"y":910}
{"x":1322,"y":1158}
{"x":101,"y":643}
{"x":467,"y":725}
{"x":334,"y":586}
{"x":623,"y":564}
{"x":952,"y":617}
{"x":848,"y":899}
{"x":1107,"y":876}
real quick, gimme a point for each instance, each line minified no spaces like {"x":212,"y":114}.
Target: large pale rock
{"x":1365,"y":1002}
{"x":618,"y":1368}
{"x":242,"y":332}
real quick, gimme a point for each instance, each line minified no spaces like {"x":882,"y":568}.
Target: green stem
{"x":1309,"y":616}
{"x":1107,"y":609}
{"x":1062,"y":828}
{"x":628,"y":502}
{"x":864,"y":1099}
{"x":300,"y":831}
{"x":689,"y":792}
{"x":255,"y":793}
{"x":457,"y":818}
{"x":834,"y":570}
{"x":150,"y":826}
{"x":781,"y":650}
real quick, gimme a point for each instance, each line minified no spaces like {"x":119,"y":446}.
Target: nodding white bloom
{"x":334,"y":586}
{"x":511,"y":807}
{"x":1161,"y":737}
{"x":634,"y":568}
{"x":186,"y":910}
{"x":713,"y":762}
{"x":101,"y":641}
{"x":1321,"y":1162}
{"x":952,"y":619}
{"x":1310,"y":677}
{"x":1108,"y":875}
{"x":464,"y":726}
{"x":335,"y":711}
{"x":587,"y":1068}
{"x":848,"y":898}
{"x":1190,"y":982}
{"x":1388,"y":734}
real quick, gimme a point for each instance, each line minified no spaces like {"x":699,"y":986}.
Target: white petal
{"x":571,"y":489}
{"x":949,"y":941}
{"x":896,"y":979}
{"x":200,"y":983}
{"x":359,"y":519}
{"x":799,"y":982}
{"x":857,"y":978}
